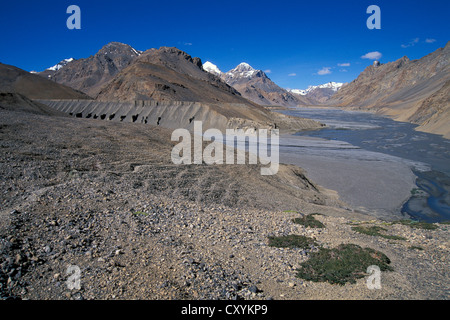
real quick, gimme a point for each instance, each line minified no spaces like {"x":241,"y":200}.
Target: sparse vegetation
{"x":291,"y":241}
{"x":309,"y":221}
{"x":343,"y":264}
{"x":417,"y":224}
{"x":375,"y":231}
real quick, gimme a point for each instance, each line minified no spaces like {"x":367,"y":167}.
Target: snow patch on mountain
{"x":212,"y":68}
{"x":335,"y":86}
{"x":61,"y":64}
{"x":299,"y":91}
{"x":136,"y":52}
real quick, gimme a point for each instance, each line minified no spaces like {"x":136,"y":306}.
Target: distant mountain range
{"x":93,"y":74}
{"x":256,"y":86}
{"x":319,"y":94}
{"x":120,"y":72}
{"x":416,"y":91}
{"x":333,"y":86}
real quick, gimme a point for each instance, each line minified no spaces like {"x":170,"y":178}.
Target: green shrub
{"x":309,"y":221}
{"x":375,"y":231}
{"x":343,"y":264}
{"x":291,"y":241}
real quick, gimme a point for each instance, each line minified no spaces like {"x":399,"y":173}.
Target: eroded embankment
{"x":168,"y":115}
{"x":181,"y":114}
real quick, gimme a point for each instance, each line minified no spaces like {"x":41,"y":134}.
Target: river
{"x":374,"y":162}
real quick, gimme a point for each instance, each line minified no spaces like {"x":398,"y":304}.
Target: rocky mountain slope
{"x":168,"y":74}
{"x":256,"y":86}
{"x":100,"y":76}
{"x":16,"y":80}
{"x":415,"y":91}
{"x":49,"y":72}
{"x":90,"y":74}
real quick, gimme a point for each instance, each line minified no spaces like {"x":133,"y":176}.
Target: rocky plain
{"x":105,"y":198}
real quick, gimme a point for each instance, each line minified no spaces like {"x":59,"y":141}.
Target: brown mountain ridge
{"x":416,"y":91}
{"x":168,"y":74}
{"x":91,"y":74}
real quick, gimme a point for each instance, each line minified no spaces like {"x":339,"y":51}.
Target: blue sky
{"x":300,"y":43}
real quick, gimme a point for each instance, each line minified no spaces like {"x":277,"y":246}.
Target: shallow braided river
{"x":374,"y":162}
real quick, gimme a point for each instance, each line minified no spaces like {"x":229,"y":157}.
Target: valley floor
{"x":104,"y":197}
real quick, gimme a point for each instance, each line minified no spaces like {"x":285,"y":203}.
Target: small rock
{"x":77,"y":296}
{"x":253,"y":289}
{"x":18,"y":258}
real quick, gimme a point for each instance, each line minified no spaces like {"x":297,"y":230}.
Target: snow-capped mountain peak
{"x":243,"y":70}
{"x":335,"y":86}
{"x":61,"y":64}
{"x":243,"y":67}
{"x":299,"y":91}
{"x":211,"y":68}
